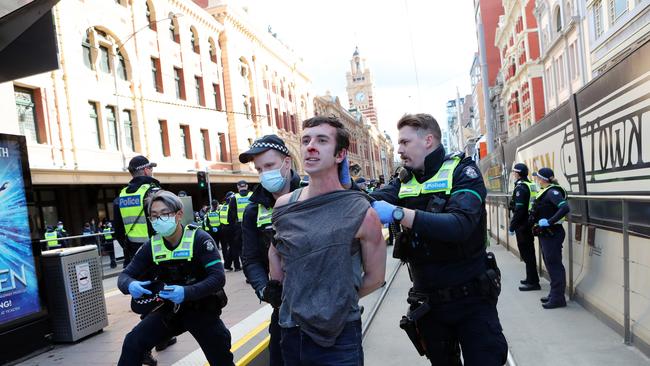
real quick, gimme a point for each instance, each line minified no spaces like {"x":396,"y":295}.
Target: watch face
{"x":398,"y":214}
{"x":360,"y":96}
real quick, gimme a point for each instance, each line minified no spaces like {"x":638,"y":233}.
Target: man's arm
{"x":463,"y":210}
{"x":140,"y":264}
{"x":519,"y":215}
{"x":275,"y":260}
{"x":373,"y":253}
{"x":253,"y":256}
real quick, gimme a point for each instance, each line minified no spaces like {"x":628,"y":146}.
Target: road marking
{"x":112,"y":293}
{"x":249,"y":336}
{"x":252,"y":354}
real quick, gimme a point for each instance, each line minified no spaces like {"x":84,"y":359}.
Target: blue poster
{"x":19,"y":296}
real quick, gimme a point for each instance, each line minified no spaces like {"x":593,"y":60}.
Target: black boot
{"x":166,"y":343}
{"x":149,"y":360}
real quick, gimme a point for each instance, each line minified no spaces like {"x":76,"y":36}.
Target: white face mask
{"x":272,"y":180}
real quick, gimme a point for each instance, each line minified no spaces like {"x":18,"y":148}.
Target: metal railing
{"x":624,"y":200}
{"x":76,"y":236}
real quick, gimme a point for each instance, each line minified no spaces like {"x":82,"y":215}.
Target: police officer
{"x":108,"y":242}
{"x":236,"y":207}
{"x":212,"y":222}
{"x":272,"y":161}
{"x":362,"y":184}
{"x":523,"y":196}
{"x":51,"y":236}
{"x":131,"y":227}
{"x":187,"y":261}
{"x":439,"y":201}
{"x":548,"y":212}
{"x":61,"y":233}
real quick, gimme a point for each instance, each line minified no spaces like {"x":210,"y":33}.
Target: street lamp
{"x":118,"y":114}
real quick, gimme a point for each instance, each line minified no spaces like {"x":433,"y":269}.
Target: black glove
{"x":272,"y":293}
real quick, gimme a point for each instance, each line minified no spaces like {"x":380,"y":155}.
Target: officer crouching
{"x":439,"y":200}
{"x":187,"y":266}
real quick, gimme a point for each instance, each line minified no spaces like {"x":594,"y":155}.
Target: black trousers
{"x":474,"y":323}
{"x":552,"y":255}
{"x":526,"y":246}
{"x":234,"y":248}
{"x":275,"y":349}
{"x":206,"y":327}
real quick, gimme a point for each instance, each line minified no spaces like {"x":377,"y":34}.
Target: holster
{"x":417,"y":310}
{"x":542,"y":231}
{"x":402,"y":246}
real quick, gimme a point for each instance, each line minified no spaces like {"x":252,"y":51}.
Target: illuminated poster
{"x":19,"y":295}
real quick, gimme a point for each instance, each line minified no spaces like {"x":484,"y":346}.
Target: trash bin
{"x":75,"y":293}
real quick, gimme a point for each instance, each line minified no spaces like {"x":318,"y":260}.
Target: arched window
{"x":194,"y":39}
{"x":213,"y":50}
{"x":87,"y":54}
{"x":558,"y":19}
{"x":173,"y":28}
{"x":151,"y":16}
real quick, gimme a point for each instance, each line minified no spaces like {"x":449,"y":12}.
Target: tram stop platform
{"x":536,"y":337}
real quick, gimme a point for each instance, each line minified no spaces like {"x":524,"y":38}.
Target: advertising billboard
{"x":19,"y":290}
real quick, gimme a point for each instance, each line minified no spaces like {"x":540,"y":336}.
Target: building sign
{"x":19,"y":296}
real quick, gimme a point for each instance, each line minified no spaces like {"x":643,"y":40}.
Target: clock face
{"x":360,"y":96}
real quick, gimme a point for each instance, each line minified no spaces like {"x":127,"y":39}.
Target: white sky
{"x":325,"y":34}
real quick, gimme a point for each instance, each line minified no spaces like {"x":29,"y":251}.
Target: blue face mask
{"x":272,"y":180}
{"x":164,"y":228}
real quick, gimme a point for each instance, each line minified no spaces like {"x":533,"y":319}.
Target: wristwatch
{"x":398,"y":214}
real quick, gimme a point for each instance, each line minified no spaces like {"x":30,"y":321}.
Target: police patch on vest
{"x":471,"y":172}
{"x":209,"y":246}
{"x":129,"y":201}
{"x":430,"y":186}
{"x":181,"y":253}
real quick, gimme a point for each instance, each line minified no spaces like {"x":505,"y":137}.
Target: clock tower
{"x":359,"y":88}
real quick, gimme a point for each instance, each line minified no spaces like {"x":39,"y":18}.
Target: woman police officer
{"x":547,"y":214}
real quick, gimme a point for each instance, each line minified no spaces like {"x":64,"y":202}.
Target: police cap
{"x":545,"y":173}
{"x":521,"y":168}
{"x":264,"y":143}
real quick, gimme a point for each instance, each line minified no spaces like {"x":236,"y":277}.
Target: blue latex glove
{"x":215,"y":229}
{"x":511,"y":233}
{"x":136,"y":289}
{"x":384,"y":210}
{"x":344,"y":172}
{"x":173,"y":293}
{"x":543,"y":223}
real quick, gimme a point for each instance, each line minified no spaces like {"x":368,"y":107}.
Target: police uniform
{"x":455,"y":283}
{"x":523,"y":196}
{"x":196,"y":265}
{"x":51,"y":236}
{"x":212,"y":223}
{"x":236,"y":208}
{"x":131,"y":226}
{"x":551,"y":204}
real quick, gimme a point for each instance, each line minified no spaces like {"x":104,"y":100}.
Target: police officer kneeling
{"x":186,"y":260}
{"x":439,"y":201}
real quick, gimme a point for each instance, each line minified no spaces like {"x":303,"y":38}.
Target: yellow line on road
{"x":252,"y":354}
{"x":243,"y":340}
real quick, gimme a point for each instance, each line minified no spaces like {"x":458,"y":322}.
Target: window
{"x":247,"y":109}
{"x":121,"y":66}
{"x":616,"y":9}
{"x":268,"y":115}
{"x":561,"y":74}
{"x":216,"y":93}
{"x":548,"y":82}
{"x":223,"y":147}
{"x":558,"y":19}
{"x":104,"y":61}
{"x":164,"y":137}
{"x":156,"y":76}
{"x":112,"y":127}
{"x":128,"y":129}
{"x":186,"y":152}
{"x":198,"y":85}
{"x":194,"y":40}
{"x":179,"y":83}
{"x":213,"y":51}
{"x":30,"y":114}
{"x":285,"y":121}
{"x":205,"y":139}
{"x":94,"y":123}
{"x":576,"y":69}
{"x":173,"y":35}
{"x":87,"y":55}
{"x":598,"y":19}
{"x":278,"y":124}
{"x":151,"y":17}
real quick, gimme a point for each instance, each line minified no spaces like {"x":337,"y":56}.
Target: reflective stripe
{"x":264,"y":215}
{"x":532,"y":188}
{"x":213,"y":263}
{"x":107,"y":234}
{"x":561,"y":203}
{"x":184,"y":251}
{"x":223,"y":214}
{"x":442,"y":181}
{"x":470,"y":191}
{"x":540,"y":194}
{"x":242,"y":202}
{"x":133,"y":216}
{"x":49,"y":236}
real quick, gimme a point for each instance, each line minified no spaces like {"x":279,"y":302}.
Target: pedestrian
{"x":321,"y":232}
{"x":187,"y":261}
{"x":62,"y":233}
{"x":547,"y":214}
{"x":522,"y":199}
{"x":108,"y":242}
{"x":272,"y":161}
{"x":132,"y":228}
{"x":439,"y":201}
{"x":51,"y":236}
{"x":212,"y":222}
{"x":237,"y":205}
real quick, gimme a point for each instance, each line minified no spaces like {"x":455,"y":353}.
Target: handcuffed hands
{"x":543,"y":223}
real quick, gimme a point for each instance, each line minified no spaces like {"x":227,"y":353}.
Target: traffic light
{"x":200,"y":178}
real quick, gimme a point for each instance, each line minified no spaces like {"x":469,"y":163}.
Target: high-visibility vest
{"x":133,"y":215}
{"x":213,"y":219}
{"x":441,"y":182}
{"x":107,"y":233}
{"x":242,"y":202}
{"x":50,"y":236}
{"x":540,"y":194}
{"x":223,"y":213}
{"x":532,"y":188}
{"x":264,"y":215}
{"x":184,"y":250}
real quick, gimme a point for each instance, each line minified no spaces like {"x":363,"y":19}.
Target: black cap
{"x":60,"y":223}
{"x":521,"y":168}
{"x":242,"y":183}
{"x":545,"y":173}
{"x":140,"y":162}
{"x":263,"y":144}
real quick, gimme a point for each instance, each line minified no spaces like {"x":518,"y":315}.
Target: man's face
{"x":317,"y":148}
{"x":413,"y":148}
{"x":272,"y":160}
{"x":243,"y":187}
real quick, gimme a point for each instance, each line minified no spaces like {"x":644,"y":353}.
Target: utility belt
{"x":407,"y":249}
{"x":211,"y":303}
{"x":546,"y":231}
